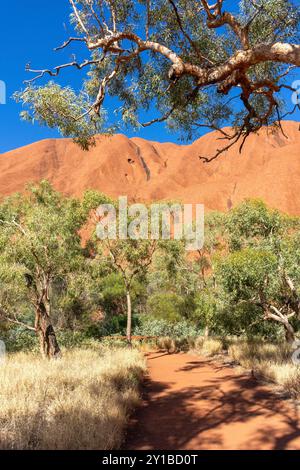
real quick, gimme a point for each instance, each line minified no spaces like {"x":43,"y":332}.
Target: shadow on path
{"x":198,"y":404}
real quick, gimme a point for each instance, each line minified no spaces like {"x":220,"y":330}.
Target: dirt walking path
{"x":195,"y":403}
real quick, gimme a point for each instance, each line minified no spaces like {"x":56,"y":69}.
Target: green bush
{"x":165,"y":306}
{"x":17,"y":339}
{"x":115,"y":325}
{"x":150,"y":326}
{"x":74,"y":339}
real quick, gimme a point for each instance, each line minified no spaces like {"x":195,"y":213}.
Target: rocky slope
{"x":268,"y":168}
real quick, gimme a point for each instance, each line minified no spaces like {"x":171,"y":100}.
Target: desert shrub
{"x":79,"y":402}
{"x":208,"y":346}
{"x":150,"y":326}
{"x":243,"y":353}
{"x":184,"y":329}
{"x":20,"y":340}
{"x":17,"y":339}
{"x":249,"y":353}
{"x":69,"y":339}
{"x":166,"y":306}
{"x":173,"y":345}
{"x":114,"y":342}
{"x":199,"y":343}
{"x":113,"y":292}
{"x":112,"y":325}
{"x":245,"y":319}
{"x":166,"y":343}
{"x":289,"y":377}
{"x":184,"y":343}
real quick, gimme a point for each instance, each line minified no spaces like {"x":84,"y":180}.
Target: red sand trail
{"x":194,"y":403}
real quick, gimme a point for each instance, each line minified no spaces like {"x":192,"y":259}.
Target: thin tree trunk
{"x":289,"y":333}
{"x":48,"y":341}
{"x":206,"y":331}
{"x":129,"y":317}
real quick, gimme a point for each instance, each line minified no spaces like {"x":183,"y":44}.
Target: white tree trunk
{"x":129,"y":317}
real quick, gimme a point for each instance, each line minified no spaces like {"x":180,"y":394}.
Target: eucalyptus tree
{"x":190,"y":63}
{"x":131,"y":259}
{"x":40,"y":246}
{"x":128,"y":240}
{"x":262,"y":267}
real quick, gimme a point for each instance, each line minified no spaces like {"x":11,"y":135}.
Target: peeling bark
{"x":48,"y":342}
{"x":273,"y":313}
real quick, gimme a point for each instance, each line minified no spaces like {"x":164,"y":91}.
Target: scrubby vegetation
{"x":64,"y":286}
{"x":79,"y":402}
{"x":271,"y":362}
{"x":70,"y":295}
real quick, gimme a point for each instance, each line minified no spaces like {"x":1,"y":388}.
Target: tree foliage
{"x":189,"y":63}
{"x":40,"y":251}
{"x":262,"y":268}
{"x":55,"y":274}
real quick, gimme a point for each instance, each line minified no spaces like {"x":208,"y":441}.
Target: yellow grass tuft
{"x":208,"y":346}
{"x":272,"y":361}
{"x":167,"y":343}
{"x":81,"y":401}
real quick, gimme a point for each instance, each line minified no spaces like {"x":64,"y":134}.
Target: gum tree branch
{"x":78,"y":17}
{"x":14,"y":321}
{"x":100,"y":29}
{"x":55,"y":72}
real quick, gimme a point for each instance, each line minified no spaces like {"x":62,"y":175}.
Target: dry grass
{"x":174,"y":345}
{"x":269,"y":360}
{"x":208,"y":346}
{"x":79,"y":402}
{"x":205,"y":346}
{"x":167,"y":343}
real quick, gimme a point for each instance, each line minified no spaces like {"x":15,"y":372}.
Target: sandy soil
{"x":194,"y":403}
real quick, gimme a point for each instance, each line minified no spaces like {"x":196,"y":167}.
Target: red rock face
{"x":268,"y":168}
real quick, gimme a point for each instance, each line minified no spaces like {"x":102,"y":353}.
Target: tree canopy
{"x":40,"y":249}
{"x":261,"y":271}
{"x":56,"y":275}
{"x":188,"y":63}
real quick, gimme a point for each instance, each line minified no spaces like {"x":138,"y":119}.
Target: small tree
{"x":132,"y":259}
{"x":262,"y":268}
{"x":206,"y":296}
{"x":250,"y":276}
{"x":40,"y":245}
{"x":124,"y":242}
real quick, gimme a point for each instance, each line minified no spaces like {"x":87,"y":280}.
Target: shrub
{"x":244,"y":353}
{"x":249,"y":353}
{"x":150,"y":326}
{"x":165,"y":306}
{"x":290,"y":379}
{"x":184,"y":344}
{"x":112,"y":325}
{"x":17,"y":339}
{"x":199,"y":343}
{"x":167,"y":344}
{"x":73,"y":339}
{"x":208,"y":346}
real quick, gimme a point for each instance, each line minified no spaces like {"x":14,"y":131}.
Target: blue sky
{"x":29,"y":31}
